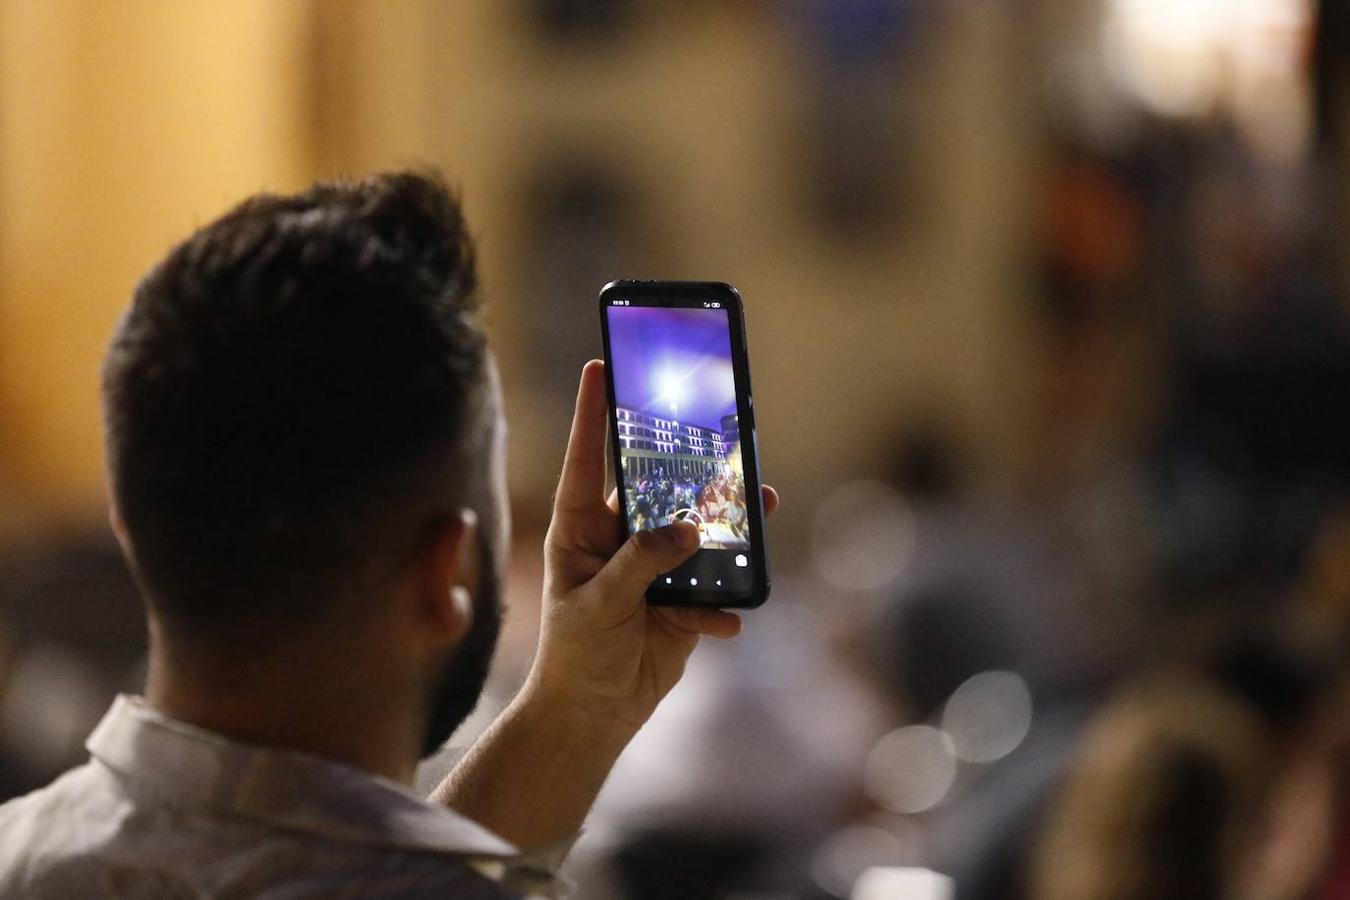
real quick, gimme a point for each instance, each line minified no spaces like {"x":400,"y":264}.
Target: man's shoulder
{"x":83,"y":835}
{"x":28,"y":816}
{"x":400,"y":877}
{"x":44,"y":829}
{"x":104,"y":877}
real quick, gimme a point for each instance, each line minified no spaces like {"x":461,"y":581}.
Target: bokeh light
{"x":850,"y":852}
{"x":863,"y":536}
{"x":897,"y":883}
{"x":1193,"y":58}
{"x":45,"y":711}
{"x":988,"y":716}
{"x":911,"y":769}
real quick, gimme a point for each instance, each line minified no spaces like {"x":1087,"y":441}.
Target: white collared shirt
{"x":164,"y":809}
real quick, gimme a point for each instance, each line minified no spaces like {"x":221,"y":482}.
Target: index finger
{"x":770,"y":500}
{"x":582,"y":484}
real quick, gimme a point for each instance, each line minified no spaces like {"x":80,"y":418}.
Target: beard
{"x":456,"y":693}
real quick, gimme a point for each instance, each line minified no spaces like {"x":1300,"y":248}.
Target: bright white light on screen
{"x":671,"y":387}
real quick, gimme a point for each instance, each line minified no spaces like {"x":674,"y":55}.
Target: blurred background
{"x":1048,"y":309}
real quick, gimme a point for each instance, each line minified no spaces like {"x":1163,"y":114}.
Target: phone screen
{"x":683,"y":437}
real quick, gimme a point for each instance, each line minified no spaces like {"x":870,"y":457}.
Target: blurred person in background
{"x":305,"y":448}
{"x":1164,"y":801}
{"x":1201,"y":780}
{"x":1324,"y":595}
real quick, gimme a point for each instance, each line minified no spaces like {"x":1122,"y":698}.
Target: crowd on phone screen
{"x":719,"y":499}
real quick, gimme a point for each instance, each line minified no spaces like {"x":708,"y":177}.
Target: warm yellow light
{"x":1242,"y":58}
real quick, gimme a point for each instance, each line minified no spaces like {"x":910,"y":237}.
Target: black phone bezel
{"x":687,"y":294}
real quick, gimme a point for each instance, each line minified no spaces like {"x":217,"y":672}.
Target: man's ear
{"x":449,"y":567}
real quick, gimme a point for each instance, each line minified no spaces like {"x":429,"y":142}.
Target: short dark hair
{"x":297,"y":392}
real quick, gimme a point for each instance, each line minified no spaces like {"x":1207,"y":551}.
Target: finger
{"x":713,"y":623}
{"x":583,"y":474}
{"x":613,"y":501}
{"x":770,"y":500}
{"x":625,"y":578}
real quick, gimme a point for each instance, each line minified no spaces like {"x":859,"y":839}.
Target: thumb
{"x":644,"y":556}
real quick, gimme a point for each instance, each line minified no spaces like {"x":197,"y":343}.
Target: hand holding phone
{"x":605,"y":657}
{"x":683,"y":433}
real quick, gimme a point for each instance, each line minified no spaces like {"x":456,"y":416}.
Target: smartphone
{"x":682,"y":429}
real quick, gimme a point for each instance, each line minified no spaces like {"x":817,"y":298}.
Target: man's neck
{"x":315,"y":701}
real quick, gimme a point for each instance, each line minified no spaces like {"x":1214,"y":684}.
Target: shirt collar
{"x":187,"y":766}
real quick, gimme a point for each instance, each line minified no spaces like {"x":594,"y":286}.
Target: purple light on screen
{"x":673,"y":363}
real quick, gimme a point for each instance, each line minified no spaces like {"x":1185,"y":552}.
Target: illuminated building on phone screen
{"x":651,"y":443}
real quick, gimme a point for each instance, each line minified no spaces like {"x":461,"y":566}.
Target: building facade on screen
{"x":655,"y":446}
